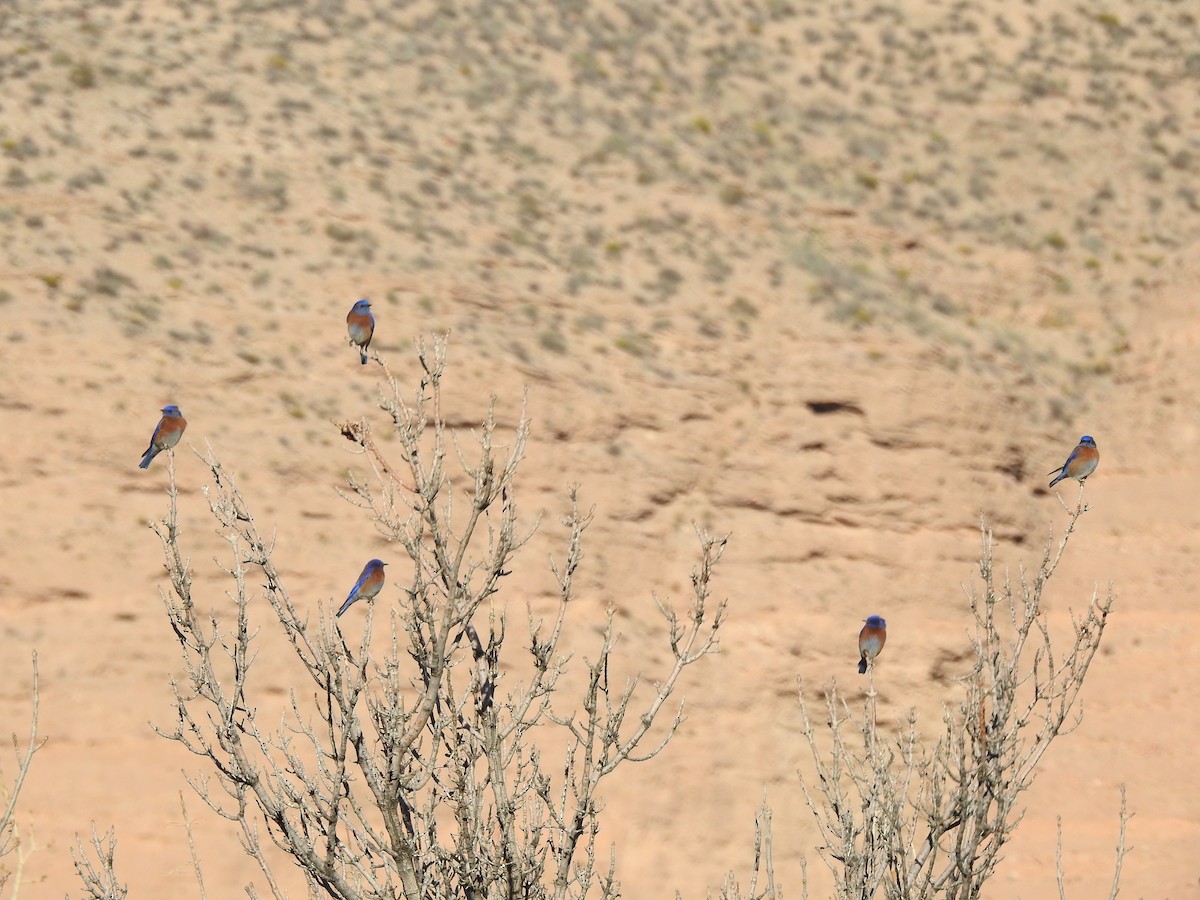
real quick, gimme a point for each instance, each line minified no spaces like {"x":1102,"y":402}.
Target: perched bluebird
{"x":1080,"y":464}
{"x":361,"y":325}
{"x":166,"y":434}
{"x":870,"y":641}
{"x":369,"y":583}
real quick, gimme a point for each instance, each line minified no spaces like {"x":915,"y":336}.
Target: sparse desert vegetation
{"x":833,"y":280}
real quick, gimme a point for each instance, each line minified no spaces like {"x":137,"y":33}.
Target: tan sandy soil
{"x":687,"y":229}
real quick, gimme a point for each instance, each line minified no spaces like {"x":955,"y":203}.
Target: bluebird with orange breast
{"x":361,"y":326}
{"x":870,"y":641}
{"x":1080,"y":464}
{"x":166,"y":435}
{"x":369,"y":583}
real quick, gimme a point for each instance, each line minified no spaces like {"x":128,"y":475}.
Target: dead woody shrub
{"x":919,"y":821}
{"x":416,"y":772}
{"x":10,"y":834}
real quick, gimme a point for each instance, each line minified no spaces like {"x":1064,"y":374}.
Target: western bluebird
{"x":369,"y":583}
{"x":166,"y":434}
{"x":870,"y":641}
{"x":361,"y":325}
{"x":1080,"y":464}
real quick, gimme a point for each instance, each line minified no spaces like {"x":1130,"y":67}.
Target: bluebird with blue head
{"x":870,"y":641}
{"x":166,"y":434}
{"x":1080,"y":464}
{"x":361,"y":326}
{"x":369,"y":583}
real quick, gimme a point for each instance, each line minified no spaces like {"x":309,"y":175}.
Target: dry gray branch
{"x":763,"y":869}
{"x":10,"y":835}
{"x":99,"y":879}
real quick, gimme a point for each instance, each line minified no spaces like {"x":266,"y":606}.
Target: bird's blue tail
{"x":147,"y":457}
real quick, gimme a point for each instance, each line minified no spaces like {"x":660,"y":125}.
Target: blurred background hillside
{"x":836,"y":279}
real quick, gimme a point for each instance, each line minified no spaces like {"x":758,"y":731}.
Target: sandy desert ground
{"x":834,"y":279}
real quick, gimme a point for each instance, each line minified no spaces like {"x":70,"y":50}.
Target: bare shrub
{"x":921,"y":821}
{"x":415,"y":771}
